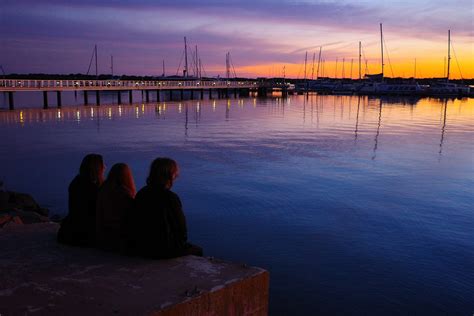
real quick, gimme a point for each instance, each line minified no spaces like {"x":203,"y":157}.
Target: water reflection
{"x":444,"y":127}
{"x":357,"y":118}
{"x":295,"y":174}
{"x":404,"y":115}
{"x":378,"y":131}
{"x":186,"y":121}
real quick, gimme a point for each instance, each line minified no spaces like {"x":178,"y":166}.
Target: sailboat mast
{"x":200,"y":69}
{"x":185,"y":58}
{"x":163,"y":68}
{"x":343,"y":72}
{"x":335,"y":71}
{"x":305,"y":61}
{"x":352,"y":64}
{"x":360,"y":60}
{"x":381,"y":46}
{"x":112,"y":64}
{"x":196,"y":60}
{"x":312,"y":68}
{"x":227,"y":65}
{"x":449,"y":53}
{"x":319,"y":61}
{"x":95,"y":53}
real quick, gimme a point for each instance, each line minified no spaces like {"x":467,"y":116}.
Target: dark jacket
{"x":78,"y":227}
{"x":113,"y":202}
{"x":156,"y":227}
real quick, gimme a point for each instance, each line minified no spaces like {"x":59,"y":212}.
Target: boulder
{"x":20,"y":201}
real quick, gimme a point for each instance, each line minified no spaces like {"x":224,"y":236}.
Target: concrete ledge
{"x":39,"y":276}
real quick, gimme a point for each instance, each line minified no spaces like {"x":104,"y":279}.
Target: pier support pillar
{"x":45,"y":99}
{"x":130,"y":96}
{"x":58,"y":98}
{"x":86,"y":98}
{"x":192,"y":94}
{"x":182,"y":94}
{"x":11,"y":103}
{"x":119,"y":97}
{"x":210,"y":93}
{"x":157,"y":95}
{"x":171,"y":95}
{"x":202,"y":94}
{"x":147,"y":96}
{"x":97,"y":97}
{"x":235,"y":93}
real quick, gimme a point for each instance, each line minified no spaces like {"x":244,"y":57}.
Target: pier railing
{"x":63,"y":85}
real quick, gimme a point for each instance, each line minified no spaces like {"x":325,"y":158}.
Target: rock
{"x":4,"y":219}
{"x":21,"y":217}
{"x":23,"y":201}
{"x":14,"y":201}
{"x":8,"y":219}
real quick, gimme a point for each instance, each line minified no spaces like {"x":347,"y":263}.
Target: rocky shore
{"x":20,"y":208}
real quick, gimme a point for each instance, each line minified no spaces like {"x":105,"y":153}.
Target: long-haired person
{"x":78,"y":227}
{"x":158,"y":228}
{"x":114,"y":201}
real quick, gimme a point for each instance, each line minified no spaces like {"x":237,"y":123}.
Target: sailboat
{"x":377,"y":85}
{"x":446,"y":88}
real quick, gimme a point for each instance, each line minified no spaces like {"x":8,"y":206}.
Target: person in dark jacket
{"x":114,"y":200}
{"x":158,"y":225}
{"x":78,"y":227}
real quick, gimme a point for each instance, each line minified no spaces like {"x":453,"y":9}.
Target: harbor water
{"x":356,"y":205}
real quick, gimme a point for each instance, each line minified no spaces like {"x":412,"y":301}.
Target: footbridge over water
{"x":223,"y":88}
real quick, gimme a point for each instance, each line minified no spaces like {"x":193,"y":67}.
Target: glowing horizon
{"x":56,"y":36}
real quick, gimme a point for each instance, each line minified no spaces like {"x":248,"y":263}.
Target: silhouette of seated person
{"x":78,"y":227}
{"x":115,"y":199}
{"x":158,"y":225}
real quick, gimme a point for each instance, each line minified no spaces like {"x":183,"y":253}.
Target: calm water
{"x":355,"y":206}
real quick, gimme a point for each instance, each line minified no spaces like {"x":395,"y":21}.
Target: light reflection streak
{"x":357,"y":119}
{"x":394,"y":111}
{"x":378,"y":132}
{"x":443,"y":128}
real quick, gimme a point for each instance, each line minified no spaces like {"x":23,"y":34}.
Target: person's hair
{"x":163,"y":171}
{"x":92,"y":168}
{"x":120,"y":175}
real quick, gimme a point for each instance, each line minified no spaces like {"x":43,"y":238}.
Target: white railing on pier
{"x":30,"y":84}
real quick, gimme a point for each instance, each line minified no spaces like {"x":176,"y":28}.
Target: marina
{"x":237,"y":158}
{"x":341,"y":198}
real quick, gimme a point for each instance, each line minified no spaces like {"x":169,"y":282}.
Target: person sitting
{"x":114,"y":200}
{"x":78,"y":227}
{"x":158,"y":225}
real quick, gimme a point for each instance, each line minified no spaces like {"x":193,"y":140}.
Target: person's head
{"x":92,"y":168}
{"x":120,"y":175}
{"x":163,"y":172}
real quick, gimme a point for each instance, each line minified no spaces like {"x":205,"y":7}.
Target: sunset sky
{"x":263,"y":36}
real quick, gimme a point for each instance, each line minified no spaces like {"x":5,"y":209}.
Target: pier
{"x":197,"y":88}
{"x":44,"y":277}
